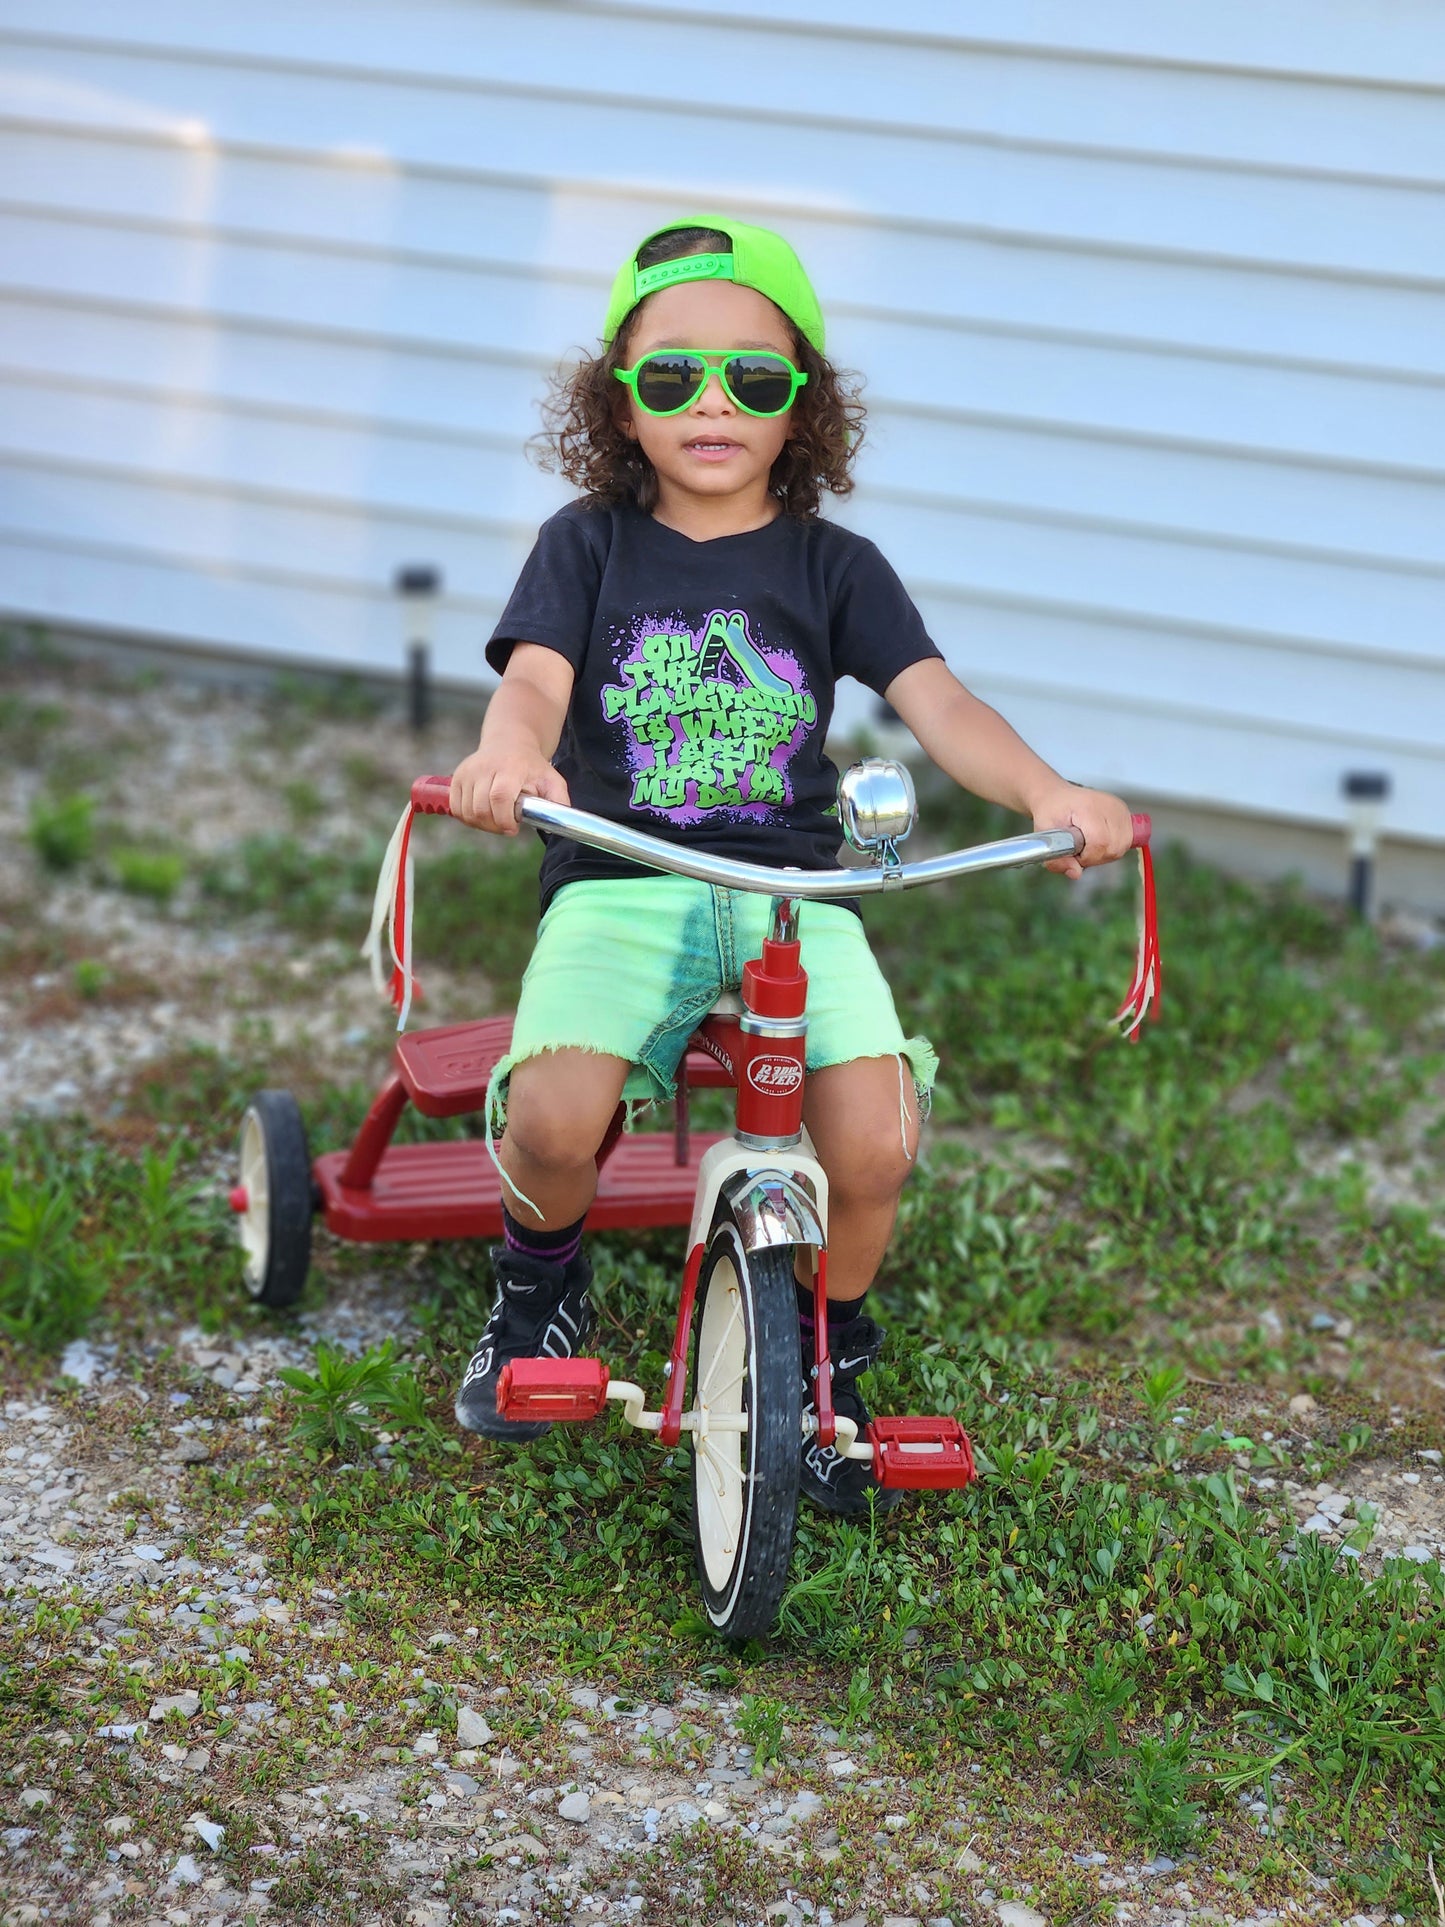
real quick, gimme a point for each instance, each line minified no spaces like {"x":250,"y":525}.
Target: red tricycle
{"x":755,"y":1201}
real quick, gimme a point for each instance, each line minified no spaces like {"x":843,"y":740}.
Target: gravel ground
{"x":575,"y":1822}
{"x":97,"y":1509}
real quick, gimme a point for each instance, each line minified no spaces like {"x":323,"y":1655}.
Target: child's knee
{"x":557,"y":1116}
{"x":864,"y":1119}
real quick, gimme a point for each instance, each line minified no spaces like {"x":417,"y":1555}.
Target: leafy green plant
{"x":861,"y":1697}
{"x":62,"y":830}
{"x":90,"y":977}
{"x":168,"y":1218}
{"x":1161,"y":1389}
{"x":1159,"y":1782}
{"x":760,"y":1721}
{"x":148,"y":873}
{"x":50,"y":1284}
{"x":340,"y":1406}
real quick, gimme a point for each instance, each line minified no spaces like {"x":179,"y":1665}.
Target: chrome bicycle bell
{"x":877,"y":807}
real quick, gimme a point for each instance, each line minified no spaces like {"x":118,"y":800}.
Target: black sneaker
{"x":828,"y":1479}
{"x":542,"y":1311}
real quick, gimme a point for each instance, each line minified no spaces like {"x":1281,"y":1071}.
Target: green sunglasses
{"x":669,"y":380}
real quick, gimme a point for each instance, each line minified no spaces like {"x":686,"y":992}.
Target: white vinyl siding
{"x":1150,"y":302}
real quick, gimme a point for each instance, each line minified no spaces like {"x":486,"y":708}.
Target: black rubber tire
{"x":744,"y":1572}
{"x":275,"y":1229}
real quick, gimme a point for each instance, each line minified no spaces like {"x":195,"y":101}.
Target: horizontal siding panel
{"x":280,"y":618}
{"x":1227,"y":677}
{"x":1198,"y":760}
{"x":66,"y":320}
{"x":1320,"y":600}
{"x":242,"y":366}
{"x":373,"y":466}
{"x":1241,"y":497}
{"x":1000,"y":93}
{"x":947,"y":455}
{"x":480,"y":306}
{"x":1130,"y":203}
{"x":1321,"y":604}
{"x":221,"y":527}
{"x":1350,"y":39}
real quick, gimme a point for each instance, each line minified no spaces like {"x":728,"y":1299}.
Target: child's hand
{"x":1104,"y":820}
{"x":488,"y":785}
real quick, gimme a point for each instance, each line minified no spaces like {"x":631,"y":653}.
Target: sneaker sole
{"x":883,"y":1499}
{"x":487,"y":1425}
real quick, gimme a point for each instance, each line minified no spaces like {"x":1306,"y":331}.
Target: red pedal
{"x":920,"y":1454}
{"x":552,"y":1388}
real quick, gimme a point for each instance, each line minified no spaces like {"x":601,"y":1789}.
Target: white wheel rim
{"x":719,"y":1471}
{"x":254,"y":1223}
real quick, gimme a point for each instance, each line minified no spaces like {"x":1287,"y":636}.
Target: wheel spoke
{"x":705,"y":1391}
{"x":715,"y":1392}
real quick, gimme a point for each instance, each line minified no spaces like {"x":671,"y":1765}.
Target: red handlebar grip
{"x":431,"y":795}
{"x":1142,"y":829}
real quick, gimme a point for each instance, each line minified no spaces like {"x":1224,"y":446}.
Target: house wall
{"x":1151,"y":304}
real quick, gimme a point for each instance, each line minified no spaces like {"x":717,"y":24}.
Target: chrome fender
{"x":771,"y":1208}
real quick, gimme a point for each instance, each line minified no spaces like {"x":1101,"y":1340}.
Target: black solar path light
{"x":418,"y":584}
{"x":1365,"y":792}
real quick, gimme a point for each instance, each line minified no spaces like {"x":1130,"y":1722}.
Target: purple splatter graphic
{"x":713,"y":719}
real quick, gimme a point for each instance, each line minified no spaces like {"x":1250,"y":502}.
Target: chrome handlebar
{"x":429,"y":795}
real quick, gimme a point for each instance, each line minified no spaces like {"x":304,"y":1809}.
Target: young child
{"x":668,"y":659}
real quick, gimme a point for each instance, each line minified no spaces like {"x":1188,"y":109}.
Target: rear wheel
{"x":747,"y":1446}
{"x":274,"y":1200}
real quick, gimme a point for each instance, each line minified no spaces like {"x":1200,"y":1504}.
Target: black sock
{"x":839,"y":1313}
{"x":557,"y":1247}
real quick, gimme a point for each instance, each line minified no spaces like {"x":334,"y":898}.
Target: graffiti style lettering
{"x":712,"y":719}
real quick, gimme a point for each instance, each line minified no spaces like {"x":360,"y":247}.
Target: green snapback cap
{"x":759,"y":259}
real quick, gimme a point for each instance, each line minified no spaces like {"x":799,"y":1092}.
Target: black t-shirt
{"x":704,"y":677}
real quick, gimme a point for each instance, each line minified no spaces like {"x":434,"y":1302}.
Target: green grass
{"x":1080,"y":1273}
{"x":476,"y":901}
{"x":157,"y":874}
{"x":62,"y":830}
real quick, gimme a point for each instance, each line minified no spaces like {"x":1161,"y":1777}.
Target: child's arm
{"x":520,"y":731}
{"x":975,"y":746}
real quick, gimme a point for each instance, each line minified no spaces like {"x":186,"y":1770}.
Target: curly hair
{"x":583,"y":440}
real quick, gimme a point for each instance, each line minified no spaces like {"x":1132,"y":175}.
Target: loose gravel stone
{"x":472,"y":1729}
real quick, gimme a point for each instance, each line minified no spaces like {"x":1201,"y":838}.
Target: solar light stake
{"x":1366,"y":792}
{"x":419,"y":584}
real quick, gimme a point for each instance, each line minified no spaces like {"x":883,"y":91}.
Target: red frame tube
{"x":670,"y":1431}
{"x":770,"y":1069}
{"x":375,"y":1134}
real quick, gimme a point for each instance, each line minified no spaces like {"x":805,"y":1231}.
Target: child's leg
{"x":863,"y":1118}
{"x":559,"y":1105}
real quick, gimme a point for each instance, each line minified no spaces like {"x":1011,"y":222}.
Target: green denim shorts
{"x":630,"y":967}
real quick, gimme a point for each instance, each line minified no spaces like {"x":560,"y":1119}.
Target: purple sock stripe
{"x":517,"y":1240}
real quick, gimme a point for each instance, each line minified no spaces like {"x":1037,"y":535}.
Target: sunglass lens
{"x":763,"y":383}
{"x":666,"y":383}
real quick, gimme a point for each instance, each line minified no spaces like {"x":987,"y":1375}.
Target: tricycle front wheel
{"x":273,"y":1200}
{"x":747,"y":1442}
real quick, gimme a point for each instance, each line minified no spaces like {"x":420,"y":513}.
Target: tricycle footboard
{"x":454,"y":1190}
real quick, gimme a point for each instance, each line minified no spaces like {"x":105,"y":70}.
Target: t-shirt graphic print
{"x":712,"y":719}
{"x":703,"y":677}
